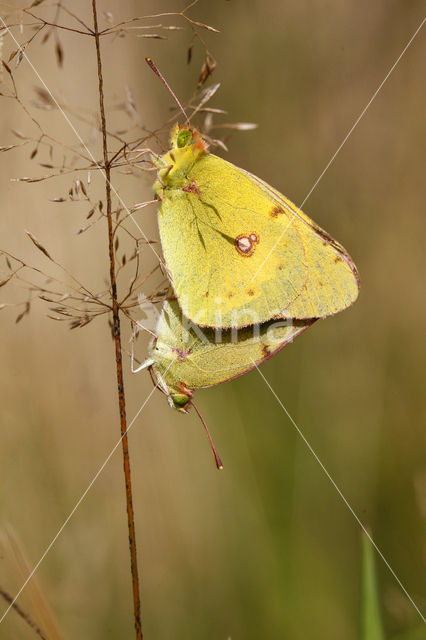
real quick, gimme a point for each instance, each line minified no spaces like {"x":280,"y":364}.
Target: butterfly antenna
{"x":157,"y":71}
{"x":216,"y":457}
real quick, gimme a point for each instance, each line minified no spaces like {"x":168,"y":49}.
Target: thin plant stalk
{"x":4,"y":594}
{"x":117,"y":343}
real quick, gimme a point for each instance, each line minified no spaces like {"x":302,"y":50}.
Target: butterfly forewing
{"x":239,"y":253}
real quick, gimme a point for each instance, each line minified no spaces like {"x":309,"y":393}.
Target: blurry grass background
{"x":266,"y":548}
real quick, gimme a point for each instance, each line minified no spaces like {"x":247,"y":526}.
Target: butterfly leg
{"x":148,"y":363}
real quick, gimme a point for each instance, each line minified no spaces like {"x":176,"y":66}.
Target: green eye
{"x":179,"y":399}
{"x":184,"y":137}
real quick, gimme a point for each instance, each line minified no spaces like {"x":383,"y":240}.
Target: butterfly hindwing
{"x":187,"y":358}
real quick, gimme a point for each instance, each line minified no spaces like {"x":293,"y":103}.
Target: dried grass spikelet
{"x":40,"y":609}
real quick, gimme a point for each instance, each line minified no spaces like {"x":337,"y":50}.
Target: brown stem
{"x":117,"y":341}
{"x":22,"y":613}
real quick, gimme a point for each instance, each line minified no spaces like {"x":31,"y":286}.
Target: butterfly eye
{"x":184,"y":137}
{"x":179,"y":399}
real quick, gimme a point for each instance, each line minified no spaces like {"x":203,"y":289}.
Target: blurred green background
{"x":266,"y":548}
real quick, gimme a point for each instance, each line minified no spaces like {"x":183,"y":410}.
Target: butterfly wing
{"x":240,"y":253}
{"x":187,"y":357}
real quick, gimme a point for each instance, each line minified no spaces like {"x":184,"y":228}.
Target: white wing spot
{"x":245,"y":244}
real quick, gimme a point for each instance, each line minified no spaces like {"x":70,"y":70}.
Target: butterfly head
{"x":179,"y":401}
{"x":183,"y":138}
{"x":187,"y":138}
{"x":187,"y":146}
{"x":178,"y":395}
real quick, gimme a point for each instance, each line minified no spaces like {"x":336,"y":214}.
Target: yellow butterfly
{"x":237,"y":251}
{"x":185,"y":357}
